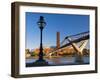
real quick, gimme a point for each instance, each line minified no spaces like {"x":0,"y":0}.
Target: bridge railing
{"x":75,"y":37}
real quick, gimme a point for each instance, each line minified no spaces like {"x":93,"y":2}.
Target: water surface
{"x":60,"y":60}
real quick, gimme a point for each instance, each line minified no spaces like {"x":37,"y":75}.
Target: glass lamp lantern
{"x":41,"y":23}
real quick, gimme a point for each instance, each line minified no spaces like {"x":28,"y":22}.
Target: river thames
{"x":57,"y":61}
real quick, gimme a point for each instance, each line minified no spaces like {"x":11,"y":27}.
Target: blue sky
{"x":66,"y":24}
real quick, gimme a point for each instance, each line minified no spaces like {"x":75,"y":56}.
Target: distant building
{"x":58,"y":40}
{"x":45,"y":50}
{"x":27,"y":53}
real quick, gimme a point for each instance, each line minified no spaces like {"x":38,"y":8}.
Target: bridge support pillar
{"x":79,"y":59}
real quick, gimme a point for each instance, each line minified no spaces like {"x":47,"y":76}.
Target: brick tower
{"x":58,"y":40}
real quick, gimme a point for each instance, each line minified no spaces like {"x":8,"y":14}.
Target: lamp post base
{"x":41,"y":63}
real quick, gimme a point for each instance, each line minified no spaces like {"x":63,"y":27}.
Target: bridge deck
{"x":73,"y":41}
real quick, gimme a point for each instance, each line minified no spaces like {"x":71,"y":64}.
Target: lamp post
{"x":41,"y":23}
{"x":40,"y":62}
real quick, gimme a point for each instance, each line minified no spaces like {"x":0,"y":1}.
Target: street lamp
{"x":41,"y":23}
{"x":40,"y":62}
